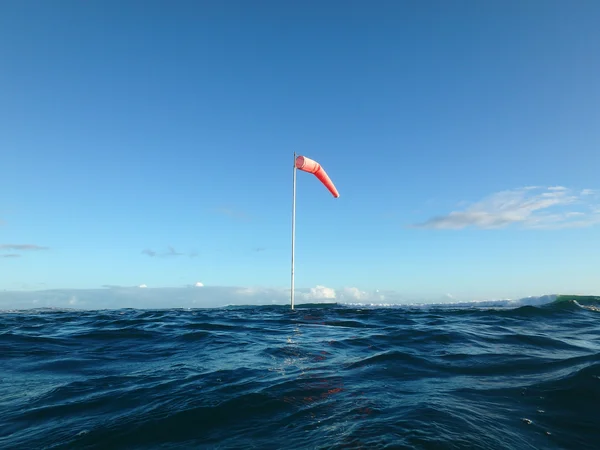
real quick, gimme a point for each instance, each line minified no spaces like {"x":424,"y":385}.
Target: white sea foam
{"x":502,"y":303}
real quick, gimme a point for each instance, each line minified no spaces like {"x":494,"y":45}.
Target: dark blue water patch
{"x":332,"y":377}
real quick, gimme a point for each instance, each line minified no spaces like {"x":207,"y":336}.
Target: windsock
{"x":308,"y":165}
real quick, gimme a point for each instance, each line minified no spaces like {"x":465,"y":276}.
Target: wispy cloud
{"x":169,"y":253}
{"x":172,"y":252}
{"x":116,"y":286}
{"x":532,"y":207}
{"x":233,"y":213}
{"x":259,"y":249}
{"x":22,"y":247}
{"x":31,"y":286}
{"x":19,"y":248}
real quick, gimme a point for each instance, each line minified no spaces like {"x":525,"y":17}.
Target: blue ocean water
{"x":321,"y":376}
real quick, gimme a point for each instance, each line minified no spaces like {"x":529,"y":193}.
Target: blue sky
{"x":152,"y":143}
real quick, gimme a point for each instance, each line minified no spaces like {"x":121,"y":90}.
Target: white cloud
{"x":250,"y":291}
{"x":530,"y":207}
{"x":319,"y":293}
{"x":142,"y":286}
{"x":198,"y":284}
{"x":354,"y":293}
{"x":315,"y":294}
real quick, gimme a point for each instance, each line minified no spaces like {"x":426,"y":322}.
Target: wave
{"x":554,"y":300}
{"x":523,"y":375}
{"x":589,"y":302}
{"x":502,"y":303}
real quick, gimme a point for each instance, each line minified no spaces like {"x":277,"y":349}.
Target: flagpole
{"x":293,"y":232}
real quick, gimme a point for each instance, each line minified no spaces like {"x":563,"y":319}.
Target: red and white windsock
{"x":308,"y":165}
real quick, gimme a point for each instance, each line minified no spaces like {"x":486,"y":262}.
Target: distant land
{"x":216,"y":297}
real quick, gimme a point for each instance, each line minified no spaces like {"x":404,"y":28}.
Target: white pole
{"x":293,"y":230}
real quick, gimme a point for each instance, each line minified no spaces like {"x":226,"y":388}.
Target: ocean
{"x":332,"y":376}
